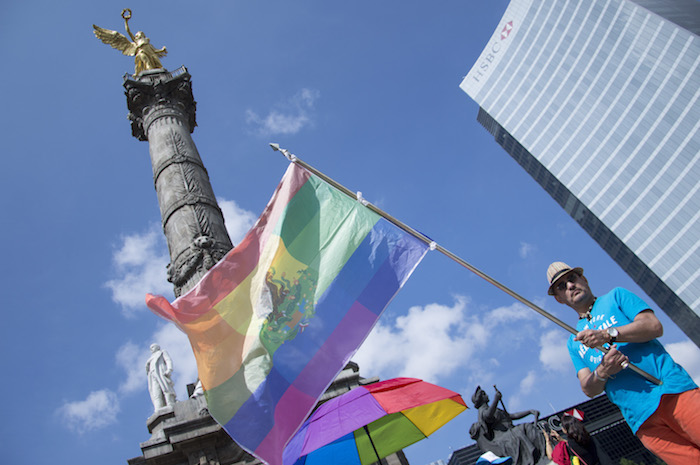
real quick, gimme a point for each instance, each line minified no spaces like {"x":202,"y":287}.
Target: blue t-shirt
{"x":636,"y":397}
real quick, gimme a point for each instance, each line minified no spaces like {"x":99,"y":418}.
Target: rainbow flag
{"x":273,"y":323}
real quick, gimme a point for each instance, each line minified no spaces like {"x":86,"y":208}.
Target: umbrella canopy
{"x":373,"y":421}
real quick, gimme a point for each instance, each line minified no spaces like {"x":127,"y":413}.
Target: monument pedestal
{"x":185,"y":434}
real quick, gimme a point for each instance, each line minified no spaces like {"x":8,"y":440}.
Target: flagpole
{"x":434,"y":246}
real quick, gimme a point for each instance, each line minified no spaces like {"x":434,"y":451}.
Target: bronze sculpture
{"x":146,"y":56}
{"x":495,"y":432}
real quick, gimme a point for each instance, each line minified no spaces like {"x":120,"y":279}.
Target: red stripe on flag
{"x":228,"y":273}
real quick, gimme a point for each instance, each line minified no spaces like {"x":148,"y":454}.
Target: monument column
{"x":162,"y":112}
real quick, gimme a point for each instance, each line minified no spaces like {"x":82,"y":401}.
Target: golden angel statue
{"x":146,"y":55}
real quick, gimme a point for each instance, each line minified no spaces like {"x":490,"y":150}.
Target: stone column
{"x":162,"y":112}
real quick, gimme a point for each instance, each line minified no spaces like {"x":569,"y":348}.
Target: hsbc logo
{"x":506,"y":30}
{"x":493,"y":49}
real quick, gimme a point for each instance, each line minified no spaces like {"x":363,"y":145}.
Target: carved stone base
{"x":185,"y":434}
{"x":159,"y":417}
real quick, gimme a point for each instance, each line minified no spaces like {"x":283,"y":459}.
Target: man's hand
{"x":613,"y":362}
{"x":593,"y":382}
{"x":643,"y":328}
{"x":593,"y":337}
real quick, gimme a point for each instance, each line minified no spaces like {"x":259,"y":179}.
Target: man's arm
{"x":593,"y":382}
{"x":643,"y":328}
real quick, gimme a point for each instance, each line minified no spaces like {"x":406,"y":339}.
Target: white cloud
{"x":98,"y":410}
{"x":687,"y":354}
{"x":526,"y":387}
{"x":421,"y":344}
{"x":292,"y":117}
{"x":528,"y":383}
{"x":526,"y":249}
{"x":553,"y":352}
{"x":510,"y":314}
{"x":508,"y":346}
{"x":278,"y":123}
{"x":132,"y":359}
{"x":140,"y":265}
{"x":238,"y":221}
{"x":435,"y":341}
{"x":306,"y":97}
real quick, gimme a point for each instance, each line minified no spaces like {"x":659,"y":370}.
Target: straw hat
{"x":556,"y":270}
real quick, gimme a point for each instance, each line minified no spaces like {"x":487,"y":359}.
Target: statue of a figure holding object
{"x":495,"y":431}
{"x":146,"y":56}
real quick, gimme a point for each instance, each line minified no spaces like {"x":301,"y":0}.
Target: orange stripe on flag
{"x":217,"y":347}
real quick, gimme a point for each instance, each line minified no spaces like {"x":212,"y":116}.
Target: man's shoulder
{"x":621,"y":297}
{"x":616,"y":292}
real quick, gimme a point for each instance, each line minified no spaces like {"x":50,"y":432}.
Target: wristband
{"x":595,"y":373}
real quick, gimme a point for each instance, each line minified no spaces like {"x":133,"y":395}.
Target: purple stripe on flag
{"x":337,"y":349}
{"x":257,"y":411}
{"x":381,"y":289}
{"x":289,"y":414}
{"x":325,"y":364}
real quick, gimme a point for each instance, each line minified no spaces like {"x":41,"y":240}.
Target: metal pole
{"x":372,"y":443}
{"x":439,"y":248}
{"x":502,"y":403}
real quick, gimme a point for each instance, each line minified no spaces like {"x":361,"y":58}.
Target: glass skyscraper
{"x":598,"y":101}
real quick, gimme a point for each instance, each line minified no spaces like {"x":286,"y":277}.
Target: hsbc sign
{"x":477,"y":83}
{"x":491,"y":52}
{"x":506,"y":30}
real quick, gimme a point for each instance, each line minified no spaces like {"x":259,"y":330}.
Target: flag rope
{"x":434,"y":246}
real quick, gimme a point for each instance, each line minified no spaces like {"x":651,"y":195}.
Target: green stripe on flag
{"x":322,"y":228}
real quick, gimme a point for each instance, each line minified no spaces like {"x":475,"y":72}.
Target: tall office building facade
{"x":598,"y":101}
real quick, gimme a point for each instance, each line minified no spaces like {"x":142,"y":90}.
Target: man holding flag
{"x":665,"y":417}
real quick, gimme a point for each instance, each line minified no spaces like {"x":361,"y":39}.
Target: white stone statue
{"x":159,"y":367}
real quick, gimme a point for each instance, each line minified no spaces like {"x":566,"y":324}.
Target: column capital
{"x":156,"y":94}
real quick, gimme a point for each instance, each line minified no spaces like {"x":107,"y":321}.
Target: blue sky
{"x":367,"y":92}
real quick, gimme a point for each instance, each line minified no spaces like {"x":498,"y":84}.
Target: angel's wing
{"x":115,"y":40}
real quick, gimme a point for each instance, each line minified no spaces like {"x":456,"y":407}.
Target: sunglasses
{"x":569,"y":278}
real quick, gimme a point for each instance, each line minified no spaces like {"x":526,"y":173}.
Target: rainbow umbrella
{"x":371,"y":422}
